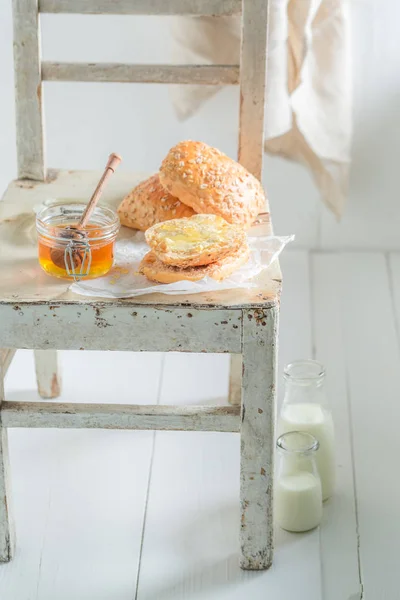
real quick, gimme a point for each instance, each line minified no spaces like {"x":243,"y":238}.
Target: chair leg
{"x":48,"y":373}
{"x":235,"y":380}
{"x":6,"y":529}
{"x":260,"y":329}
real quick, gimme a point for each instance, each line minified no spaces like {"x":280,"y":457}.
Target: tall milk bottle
{"x":305,"y":408}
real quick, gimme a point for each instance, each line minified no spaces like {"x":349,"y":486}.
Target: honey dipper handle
{"x":112,"y":164}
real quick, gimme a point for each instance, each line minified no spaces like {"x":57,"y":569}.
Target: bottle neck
{"x":292,"y":463}
{"x":305,"y":382}
{"x":297,"y":450}
{"x":305,"y":392}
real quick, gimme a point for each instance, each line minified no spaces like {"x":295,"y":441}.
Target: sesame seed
{"x":203,"y":186}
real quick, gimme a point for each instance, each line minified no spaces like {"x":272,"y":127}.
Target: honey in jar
{"x":75,"y":254}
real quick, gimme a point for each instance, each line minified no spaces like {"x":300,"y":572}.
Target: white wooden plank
{"x":339,"y":527}
{"x":394,"y":267}
{"x":80,"y":495}
{"x":257,"y":437}
{"x":373,"y":361}
{"x":125,"y":73}
{"x":28,"y":90}
{"x":74,"y":327}
{"x":143,"y":7}
{"x":63,"y":415}
{"x":48,"y":373}
{"x":296,"y":342}
{"x":253,"y":67}
{"x":7,"y":540}
{"x":191,"y":533}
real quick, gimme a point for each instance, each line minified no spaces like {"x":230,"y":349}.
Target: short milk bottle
{"x":298,"y":492}
{"x":305,"y":408}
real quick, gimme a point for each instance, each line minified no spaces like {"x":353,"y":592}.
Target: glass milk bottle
{"x":298,"y":492}
{"x":305,"y":408}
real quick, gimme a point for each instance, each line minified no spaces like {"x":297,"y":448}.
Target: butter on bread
{"x":210,"y":182}
{"x":149,"y":203}
{"x":155,"y":270}
{"x":194,"y":241}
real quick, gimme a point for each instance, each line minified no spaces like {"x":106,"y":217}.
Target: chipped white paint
{"x":48,"y":373}
{"x":257,"y":437}
{"x":120,"y":416}
{"x":17,"y":220}
{"x":194,"y":489}
{"x":40,"y":313}
{"x":235,"y":380}
{"x":253,"y":84}
{"x":28,"y":90}
{"x":68,"y":326}
{"x":125,"y":73}
{"x":143,"y":7}
{"x":6,"y":525}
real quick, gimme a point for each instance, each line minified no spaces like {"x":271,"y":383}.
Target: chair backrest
{"x":30,"y":71}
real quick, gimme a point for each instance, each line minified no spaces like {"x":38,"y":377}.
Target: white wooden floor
{"x":110,"y":515}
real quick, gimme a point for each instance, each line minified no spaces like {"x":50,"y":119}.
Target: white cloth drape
{"x":309,"y":96}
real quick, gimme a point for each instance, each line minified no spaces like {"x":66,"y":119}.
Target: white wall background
{"x":84,"y":122}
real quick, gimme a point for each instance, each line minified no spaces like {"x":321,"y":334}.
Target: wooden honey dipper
{"x":77,"y":232}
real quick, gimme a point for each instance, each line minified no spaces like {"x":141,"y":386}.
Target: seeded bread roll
{"x":194,"y":241}
{"x":149,"y":203}
{"x":210,"y":182}
{"x":155,"y":270}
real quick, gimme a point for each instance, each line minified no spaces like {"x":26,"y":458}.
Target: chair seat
{"x":22,"y":280}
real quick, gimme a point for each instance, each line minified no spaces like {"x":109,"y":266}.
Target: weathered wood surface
{"x":339,"y":528}
{"x":96,"y":327}
{"x":194,"y":483}
{"x":143,"y":7}
{"x":370,"y":327}
{"x":120,"y":416}
{"x":260,"y":345}
{"x":253,"y":65}
{"x":48,"y":374}
{"x":125,"y":73}
{"x":301,"y":552}
{"x":235,"y":380}
{"x":23,"y":281}
{"x":28,"y":90}
{"x":6,"y":524}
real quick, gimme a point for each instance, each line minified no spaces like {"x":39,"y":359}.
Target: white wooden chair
{"x":39,"y":312}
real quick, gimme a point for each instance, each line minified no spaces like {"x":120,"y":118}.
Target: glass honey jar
{"x":70,"y":253}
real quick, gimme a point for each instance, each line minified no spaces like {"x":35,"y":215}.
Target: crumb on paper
{"x":116,"y":274}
